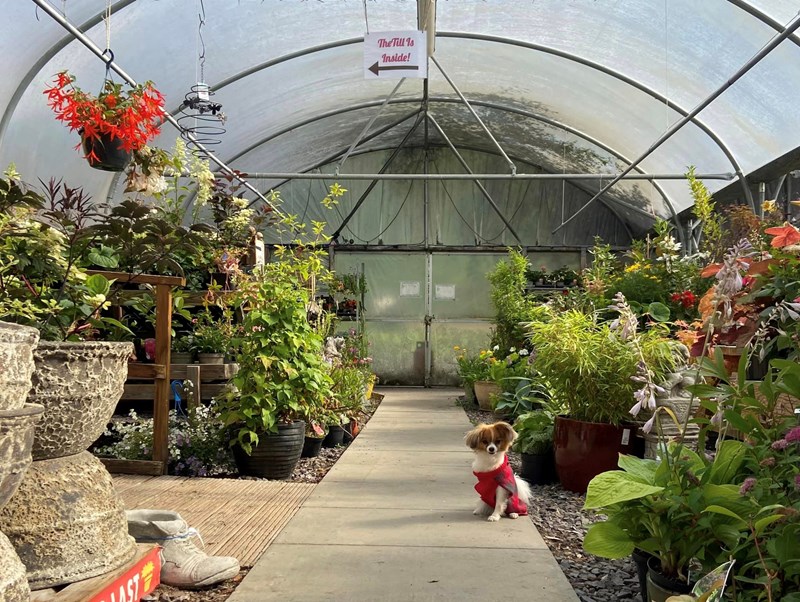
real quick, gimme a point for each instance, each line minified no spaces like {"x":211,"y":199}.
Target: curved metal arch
{"x":764,"y":18}
{"x":445,"y":99}
{"x":607,"y":203}
{"x":26,"y":80}
{"x":530,"y":46}
{"x":617,"y":75}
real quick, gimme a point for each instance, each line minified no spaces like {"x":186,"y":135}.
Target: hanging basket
{"x":106,"y":153}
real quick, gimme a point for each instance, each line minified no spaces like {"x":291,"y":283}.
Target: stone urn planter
{"x":16,"y":364}
{"x":13,"y":582}
{"x":79,"y":385}
{"x":484,"y":389}
{"x":16,"y":439}
{"x":66,"y":522}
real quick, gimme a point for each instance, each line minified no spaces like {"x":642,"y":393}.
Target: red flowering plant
{"x":131,"y":116}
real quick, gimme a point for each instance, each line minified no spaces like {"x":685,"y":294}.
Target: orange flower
{"x":784,"y":235}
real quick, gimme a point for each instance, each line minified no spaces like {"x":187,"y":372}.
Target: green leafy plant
{"x":535,"y":432}
{"x":589,"y":368}
{"x":521,"y":395}
{"x":512,"y":306}
{"x":471,"y":366}
{"x":282,"y":375}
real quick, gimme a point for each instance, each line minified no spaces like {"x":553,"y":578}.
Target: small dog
{"x":502,"y":492}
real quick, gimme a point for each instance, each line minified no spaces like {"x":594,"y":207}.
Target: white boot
{"x":183,"y":565}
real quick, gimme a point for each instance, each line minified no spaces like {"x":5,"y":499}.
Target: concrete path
{"x":392,"y":521}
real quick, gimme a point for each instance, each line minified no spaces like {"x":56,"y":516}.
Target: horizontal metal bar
{"x":478,"y":176}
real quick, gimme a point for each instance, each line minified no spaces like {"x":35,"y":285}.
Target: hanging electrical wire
{"x":201,"y":119}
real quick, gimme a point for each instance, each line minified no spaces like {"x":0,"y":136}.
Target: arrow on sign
{"x":376,"y":69}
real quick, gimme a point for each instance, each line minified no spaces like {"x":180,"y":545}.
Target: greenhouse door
{"x":418,"y":307}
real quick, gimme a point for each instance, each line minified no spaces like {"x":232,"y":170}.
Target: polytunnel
{"x":541,"y":124}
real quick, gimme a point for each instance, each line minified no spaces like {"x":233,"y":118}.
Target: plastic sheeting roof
{"x":567,"y":85}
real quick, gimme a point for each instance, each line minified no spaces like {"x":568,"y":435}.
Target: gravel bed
{"x":562,"y":523}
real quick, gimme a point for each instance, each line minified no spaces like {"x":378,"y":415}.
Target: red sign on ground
{"x":138,"y":581}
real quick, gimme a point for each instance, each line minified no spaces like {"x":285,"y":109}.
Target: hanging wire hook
{"x":108,"y":57}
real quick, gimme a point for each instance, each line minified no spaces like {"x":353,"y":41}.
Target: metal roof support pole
{"x":480,"y":176}
{"x":771,"y":45}
{"x":475,"y":115}
{"x":374,"y":182}
{"x":50,"y":10}
{"x":369,"y":124}
{"x":364,"y":140}
{"x":480,"y":186}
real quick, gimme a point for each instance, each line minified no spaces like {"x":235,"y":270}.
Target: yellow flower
{"x":456,"y":348}
{"x":768,"y":206}
{"x":634,"y":267}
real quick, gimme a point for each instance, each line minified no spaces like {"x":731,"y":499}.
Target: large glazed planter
{"x":66,"y":522}
{"x":16,"y":439}
{"x":585,"y":449}
{"x":13,"y":582}
{"x":276,"y":454}
{"x":16,"y":364}
{"x":79,"y":385}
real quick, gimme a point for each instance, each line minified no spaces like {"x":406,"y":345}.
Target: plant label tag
{"x":626,"y":436}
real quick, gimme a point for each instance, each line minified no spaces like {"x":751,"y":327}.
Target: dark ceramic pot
{"x":661,"y":587}
{"x":276,"y":454}
{"x":106,"y":153}
{"x":585,"y":449}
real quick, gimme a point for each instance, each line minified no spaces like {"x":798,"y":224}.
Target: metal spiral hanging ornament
{"x":201,"y":119}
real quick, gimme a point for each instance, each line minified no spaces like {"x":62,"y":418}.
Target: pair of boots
{"x":183,"y":565}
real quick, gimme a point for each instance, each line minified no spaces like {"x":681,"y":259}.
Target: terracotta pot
{"x":484,"y":389}
{"x":66,"y":522}
{"x":79,"y":385}
{"x":16,"y":439}
{"x":16,"y":364}
{"x":276,"y":454}
{"x":585,"y":449}
{"x":13,"y":582}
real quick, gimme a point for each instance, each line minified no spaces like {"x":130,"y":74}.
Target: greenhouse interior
{"x":277,"y":275}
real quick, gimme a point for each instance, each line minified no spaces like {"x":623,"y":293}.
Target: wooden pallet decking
{"x":238,"y":518}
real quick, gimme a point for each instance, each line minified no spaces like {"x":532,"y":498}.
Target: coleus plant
{"x":132,"y":116}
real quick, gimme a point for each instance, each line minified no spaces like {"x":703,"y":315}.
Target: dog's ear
{"x":506,"y":431}
{"x":473,"y":437}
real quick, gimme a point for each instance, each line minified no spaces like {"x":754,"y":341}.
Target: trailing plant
{"x":132,"y":116}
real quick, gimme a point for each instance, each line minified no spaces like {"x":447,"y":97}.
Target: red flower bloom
{"x":133,"y":116}
{"x":784,"y":235}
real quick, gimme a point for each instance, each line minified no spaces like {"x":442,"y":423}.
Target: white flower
{"x":523,"y":352}
{"x":496,"y":348}
{"x":513,"y":349}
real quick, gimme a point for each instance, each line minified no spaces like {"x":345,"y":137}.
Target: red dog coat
{"x":502,"y":476}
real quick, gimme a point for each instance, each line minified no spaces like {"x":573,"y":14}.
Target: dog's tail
{"x":523,"y":490}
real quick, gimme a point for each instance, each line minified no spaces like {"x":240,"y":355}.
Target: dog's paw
{"x":513,"y":515}
{"x":493,"y":518}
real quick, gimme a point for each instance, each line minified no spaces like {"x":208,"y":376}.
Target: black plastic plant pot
{"x":276,"y":454}
{"x":539,"y":469}
{"x":311,"y":447}
{"x":660,"y":587}
{"x":106,"y":153}
{"x":334,"y":437}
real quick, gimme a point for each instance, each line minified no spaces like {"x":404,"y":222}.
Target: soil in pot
{"x":276,"y":454}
